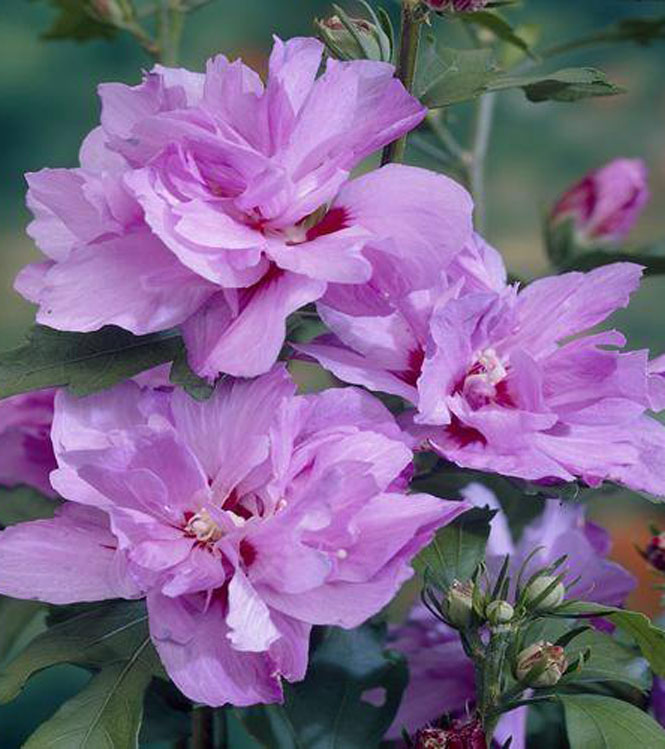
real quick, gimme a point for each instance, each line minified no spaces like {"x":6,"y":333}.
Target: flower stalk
{"x":203,"y":728}
{"x":412,"y":20}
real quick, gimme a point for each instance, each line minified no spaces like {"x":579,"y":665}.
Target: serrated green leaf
{"x":457,"y":549}
{"x":103,"y":634}
{"x":649,"y":638}
{"x":74,"y":22}
{"x":21,"y":503}
{"x":107,"y":713}
{"x":184,"y":376}
{"x":566,"y":85}
{"x":84,"y":362}
{"x":450,"y":76}
{"x":331,"y":708}
{"x":597,"y":722}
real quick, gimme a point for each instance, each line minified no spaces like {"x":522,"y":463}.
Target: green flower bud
{"x":499,"y":612}
{"x":458,"y":604}
{"x":349,"y":38}
{"x":537,"y":587}
{"x":107,"y":11}
{"x":541,"y":665}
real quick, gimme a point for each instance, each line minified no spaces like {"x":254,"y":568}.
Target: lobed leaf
{"x":566,"y":85}
{"x":107,"y":713}
{"x":83,"y":362}
{"x":333,"y":706}
{"x":451,"y":76}
{"x":98,"y":636}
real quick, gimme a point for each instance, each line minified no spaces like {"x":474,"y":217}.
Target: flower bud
{"x":108,"y":11}
{"x":604,"y":205}
{"x":546,"y":661}
{"x":458,"y":604}
{"x":655,"y":552}
{"x":457,"y":6}
{"x":499,"y":612}
{"x":349,"y":38}
{"x":537,"y":587}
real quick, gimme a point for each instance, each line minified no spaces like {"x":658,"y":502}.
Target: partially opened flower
{"x":441,"y":674}
{"x":215,"y":203}
{"x":243,"y":520}
{"x":513,"y":381}
{"x":26,"y":453}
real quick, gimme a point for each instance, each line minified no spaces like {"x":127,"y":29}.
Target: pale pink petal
{"x":248,"y":619}
{"x":206,"y":668}
{"x":133,"y":282}
{"x":228,"y":432}
{"x":247,"y":344}
{"x":420,"y":221}
{"x":554,"y":308}
{"x":355,"y":368}
{"x":42,"y":560}
{"x":334,"y":257}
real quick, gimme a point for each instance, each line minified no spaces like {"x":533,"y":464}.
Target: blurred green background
{"x":48,"y":103}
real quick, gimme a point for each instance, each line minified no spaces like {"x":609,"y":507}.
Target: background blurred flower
{"x":605,"y":204}
{"x":26,"y":453}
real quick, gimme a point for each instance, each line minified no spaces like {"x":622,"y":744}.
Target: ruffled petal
{"x":246,"y":342}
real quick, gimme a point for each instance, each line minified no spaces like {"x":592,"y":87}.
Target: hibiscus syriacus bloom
{"x":441,"y":675}
{"x":509,"y":380}
{"x":243,"y":520}
{"x":215,"y":203}
{"x":605,"y":204}
{"x":26,"y":453}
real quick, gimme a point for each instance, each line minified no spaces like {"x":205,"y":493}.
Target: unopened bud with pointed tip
{"x":458,"y":604}
{"x":537,"y":587}
{"x":499,"y":612}
{"x":541,"y":665}
{"x":107,"y":11}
